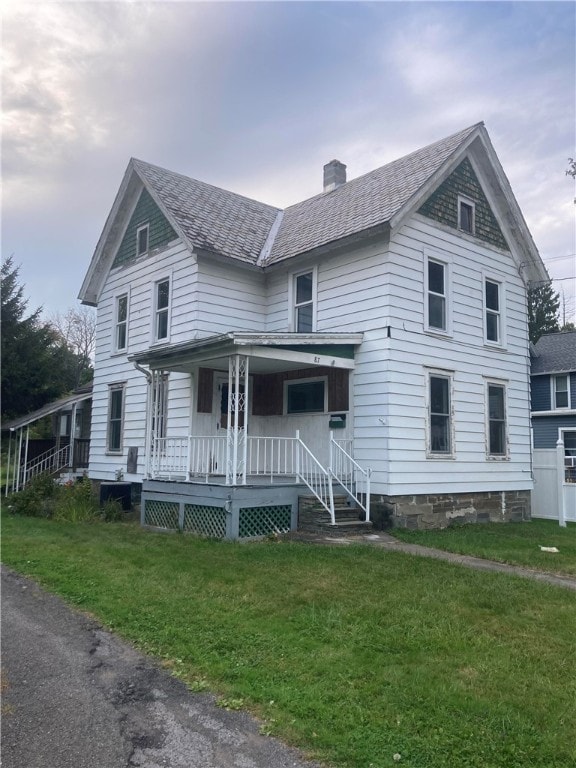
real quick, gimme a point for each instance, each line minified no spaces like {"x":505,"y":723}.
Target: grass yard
{"x":515,"y":543}
{"x":355,"y":654}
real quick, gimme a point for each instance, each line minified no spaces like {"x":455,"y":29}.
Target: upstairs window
{"x":437,"y":295}
{"x":121,"y":334}
{"x":560,"y":392}
{"x":466,"y":215}
{"x":492,"y":310}
{"x":142,"y":240}
{"x":439,"y":438}
{"x":496,"y":420}
{"x":303,"y":291}
{"x":162,"y":310}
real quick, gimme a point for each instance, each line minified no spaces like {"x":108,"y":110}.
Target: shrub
{"x":76,"y":502}
{"x":112,"y":511}
{"x":36,"y":500}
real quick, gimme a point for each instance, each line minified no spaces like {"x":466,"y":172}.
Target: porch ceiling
{"x":270,"y":352}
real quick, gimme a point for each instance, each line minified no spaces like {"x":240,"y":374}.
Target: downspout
{"x":147,"y":434}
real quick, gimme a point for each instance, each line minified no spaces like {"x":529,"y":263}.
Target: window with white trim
{"x":439,"y":415}
{"x":121,"y":323}
{"x":492,"y":311}
{"x":466,"y":215}
{"x":436,"y":295}
{"x":307,"y":396}
{"x":303,"y":293}
{"x":497,"y":442}
{"x":162,"y":310}
{"x":115,"y":418}
{"x":142,"y":235}
{"x":560,"y":391}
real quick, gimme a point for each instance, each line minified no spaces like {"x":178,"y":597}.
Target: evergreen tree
{"x":543,"y":307}
{"x":36,"y":366}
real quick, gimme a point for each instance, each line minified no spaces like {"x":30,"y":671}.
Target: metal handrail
{"x":50,"y":462}
{"x":350,"y":474}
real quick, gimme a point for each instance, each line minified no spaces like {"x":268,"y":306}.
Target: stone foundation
{"x":428,"y":511}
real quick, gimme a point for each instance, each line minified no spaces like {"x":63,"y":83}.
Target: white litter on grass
{"x":549,"y":549}
{"x":372,"y":537}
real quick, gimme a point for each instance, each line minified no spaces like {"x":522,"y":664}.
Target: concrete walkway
{"x":386,"y":541}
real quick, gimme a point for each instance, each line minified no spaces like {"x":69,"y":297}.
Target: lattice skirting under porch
{"x":226,"y":520}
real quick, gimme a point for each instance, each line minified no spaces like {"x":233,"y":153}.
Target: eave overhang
{"x":268,"y":352}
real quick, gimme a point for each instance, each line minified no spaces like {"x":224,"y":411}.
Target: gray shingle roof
{"x":229,"y":224}
{"x":361,"y":203}
{"x":211,"y":218}
{"x":556,"y":353}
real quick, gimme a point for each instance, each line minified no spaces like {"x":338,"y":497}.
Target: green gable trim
{"x":442,"y":205}
{"x":332,"y":350}
{"x":160,"y":231}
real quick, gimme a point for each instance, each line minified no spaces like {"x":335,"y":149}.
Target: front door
{"x":220,"y":403}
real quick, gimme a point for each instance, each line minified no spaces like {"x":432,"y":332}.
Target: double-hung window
{"x":492,"y":311}
{"x":303,"y":292}
{"x":496,"y":420}
{"x":560,"y":391}
{"x":115,"y":418}
{"x":142,"y":236}
{"x":121,"y":330}
{"x":439,"y":415}
{"x":161,"y":310}
{"x":437,"y":296}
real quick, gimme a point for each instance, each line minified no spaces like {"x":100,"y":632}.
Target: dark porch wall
{"x":268,"y":389}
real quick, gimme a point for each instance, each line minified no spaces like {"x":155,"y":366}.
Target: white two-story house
{"x":371,"y":341}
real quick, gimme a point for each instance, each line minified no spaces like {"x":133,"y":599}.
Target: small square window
{"x":142,"y":240}
{"x":466,"y":216}
{"x":305,"y":397}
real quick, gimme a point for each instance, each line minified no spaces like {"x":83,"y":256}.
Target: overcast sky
{"x":256,"y":97}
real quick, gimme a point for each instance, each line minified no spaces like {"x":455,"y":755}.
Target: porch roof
{"x":62,"y":404}
{"x":268,"y":352}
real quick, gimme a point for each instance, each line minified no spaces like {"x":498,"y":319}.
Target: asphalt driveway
{"x":74,"y":696}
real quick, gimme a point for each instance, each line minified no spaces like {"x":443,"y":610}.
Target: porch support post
{"x":72,"y":445}
{"x":8,"y":467}
{"x":25,"y":478}
{"x":236,"y":435}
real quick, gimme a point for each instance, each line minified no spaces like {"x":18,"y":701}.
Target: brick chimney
{"x":334,"y":175}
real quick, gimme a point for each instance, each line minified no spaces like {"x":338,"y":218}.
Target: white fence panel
{"x":545,"y":494}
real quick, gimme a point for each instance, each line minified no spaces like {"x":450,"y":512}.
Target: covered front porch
{"x":271,"y":418}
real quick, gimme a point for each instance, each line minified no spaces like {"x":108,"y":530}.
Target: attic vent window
{"x":466,"y":215}
{"x":142,"y":240}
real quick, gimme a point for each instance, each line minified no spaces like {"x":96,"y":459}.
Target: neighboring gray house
{"x":370,"y":341}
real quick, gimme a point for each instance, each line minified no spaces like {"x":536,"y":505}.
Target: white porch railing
{"x":352,"y":477}
{"x":50,"y":461}
{"x":183,"y":458}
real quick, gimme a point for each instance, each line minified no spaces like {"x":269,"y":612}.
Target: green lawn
{"x":354,"y":654}
{"x":516,"y":543}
